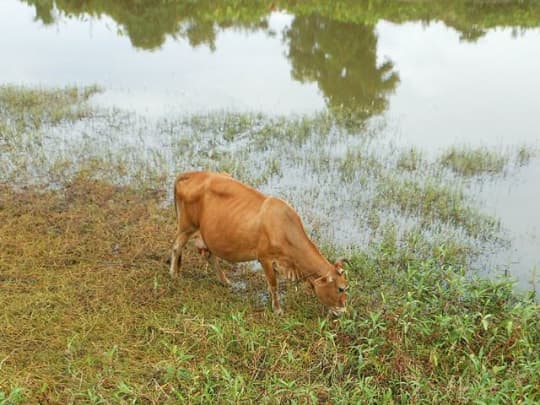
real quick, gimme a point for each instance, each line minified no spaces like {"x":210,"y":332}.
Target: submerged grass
{"x":410,"y":160}
{"x":434,"y":201}
{"x":31,"y":108}
{"x":91,"y":316}
{"x":471,"y":162}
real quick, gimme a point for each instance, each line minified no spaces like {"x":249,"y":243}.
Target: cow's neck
{"x":311,"y":263}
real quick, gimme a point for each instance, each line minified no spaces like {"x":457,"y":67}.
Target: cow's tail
{"x":176,"y":190}
{"x":175,"y":197}
{"x":176,"y":208}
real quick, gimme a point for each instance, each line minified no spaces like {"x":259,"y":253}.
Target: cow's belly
{"x":229,"y":247}
{"x":232,"y":253}
{"x":232,"y":229}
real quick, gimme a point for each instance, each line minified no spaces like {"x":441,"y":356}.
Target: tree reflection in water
{"x":342,"y":59}
{"x":333,"y":44}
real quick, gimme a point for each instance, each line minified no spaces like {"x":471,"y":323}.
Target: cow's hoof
{"x":225,"y":281}
{"x":278,"y":311}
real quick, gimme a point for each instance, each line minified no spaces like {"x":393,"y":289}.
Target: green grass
{"x":409,"y":160}
{"x":524,"y":155}
{"x":357,"y":162}
{"x":433,"y":201}
{"x":470,"y":162}
{"x":30,"y":108}
{"x":90,"y":314}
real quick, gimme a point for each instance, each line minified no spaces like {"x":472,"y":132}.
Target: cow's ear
{"x":339,"y":268}
{"x":338,"y":265}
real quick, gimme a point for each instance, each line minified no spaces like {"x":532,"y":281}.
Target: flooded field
{"x":224,"y":94}
{"x":405,"y":134}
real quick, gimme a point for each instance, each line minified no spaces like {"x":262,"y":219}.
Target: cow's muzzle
{"x":338,"y":311}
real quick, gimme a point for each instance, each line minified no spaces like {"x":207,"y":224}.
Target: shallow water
{"x":515,"y":201}
{"x":434,"y":84}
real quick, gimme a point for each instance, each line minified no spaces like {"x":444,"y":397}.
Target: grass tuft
{"x":435,"y":201}
{"x":410,"y":160}
{"x":472,"y":162}
{"x":31,"y":108}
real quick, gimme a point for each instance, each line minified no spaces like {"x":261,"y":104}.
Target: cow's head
{"x":332,"y":289}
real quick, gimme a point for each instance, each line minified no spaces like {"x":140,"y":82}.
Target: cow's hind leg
{"x":219,"y":271}
{"x":176,"y":256}
{"x":272,"y":285}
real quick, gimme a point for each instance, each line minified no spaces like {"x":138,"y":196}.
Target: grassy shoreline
{"x":91,"y":316}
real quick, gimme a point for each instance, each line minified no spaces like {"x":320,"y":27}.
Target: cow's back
{"x":200,"y":187}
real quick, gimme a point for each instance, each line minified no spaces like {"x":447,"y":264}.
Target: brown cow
{"x":238,"y":223}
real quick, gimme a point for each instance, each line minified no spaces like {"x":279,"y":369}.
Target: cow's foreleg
{"x":176,"y":256}
{"x":272,"y":284}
